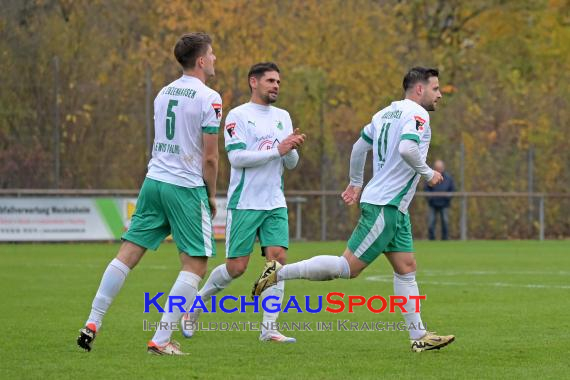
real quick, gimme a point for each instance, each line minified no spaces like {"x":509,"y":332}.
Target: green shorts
{"x":380,"y":229}
{"x":243,"y":226}
{"x":163,"y":208}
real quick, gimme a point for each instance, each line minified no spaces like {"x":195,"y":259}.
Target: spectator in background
{"x":439,"y":205}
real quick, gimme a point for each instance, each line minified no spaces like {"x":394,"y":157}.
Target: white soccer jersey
{"x":394,"y":181}
{"x":183,"y":111}
{"x":256,"y":127}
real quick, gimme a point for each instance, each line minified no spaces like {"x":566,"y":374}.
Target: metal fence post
{"x":541,"y":217}
{"x":323,"y":217}
{"x":148,"y":112}
{"x":299,"y":220}
{"x":530,"y":180}
{"x":463,"y":221}
{"x":57,"y":122}
{"x":464,"y":217}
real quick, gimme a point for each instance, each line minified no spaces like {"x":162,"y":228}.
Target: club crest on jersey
{"x":217,"y":109}
{"x":279,"y":125}
{"x":231,"y":129}
{"x":419,"y":123}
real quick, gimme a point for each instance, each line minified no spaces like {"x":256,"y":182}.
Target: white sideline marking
{"x":389,"y":279}
{"x":92,"y":266}
{"x":491,"y":273}
{"x":482,"y":273}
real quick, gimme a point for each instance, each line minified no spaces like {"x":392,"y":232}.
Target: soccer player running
{"x":178,"y":194}
{"x":260,"y":142}
{"x":399,"y":137}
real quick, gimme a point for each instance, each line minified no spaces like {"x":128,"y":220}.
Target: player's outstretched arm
{"x":210,"y":167}
{"x":357,"y":161}
{"x":410,"y":152}
{"x":356,"y":173}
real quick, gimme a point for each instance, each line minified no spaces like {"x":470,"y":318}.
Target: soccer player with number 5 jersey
{"x":178,"y":194}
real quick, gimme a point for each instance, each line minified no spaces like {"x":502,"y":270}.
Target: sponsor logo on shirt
{"x":231,"y":129}
{"x":264,"y":137}
{"x":218,"y":110}
{"x":419,"y":123}
{"x":392,"y":114}
{"x":268,"y":144}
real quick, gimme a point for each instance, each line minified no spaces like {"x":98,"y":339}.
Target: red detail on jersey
{"x":266,"y":144}
{"x":218,"y":110}
{"x":419,"y":119}
{"x":419,"y":123}
{"x":231,"y":129}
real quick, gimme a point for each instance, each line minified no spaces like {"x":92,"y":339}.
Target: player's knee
{"x":198,"y":271}
{"x":355,"y":265}
{"x":406,"y":267}
{"x":411,"y":265}
{"x":278,"y":254}
{"x":194,"y":264}
{"x":236,"y":268}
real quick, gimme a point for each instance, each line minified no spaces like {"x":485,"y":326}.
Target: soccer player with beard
{"x":399,"y":137}
{"x":260,"y":142}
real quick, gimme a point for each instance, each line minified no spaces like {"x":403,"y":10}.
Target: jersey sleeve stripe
{"x":235,"y":146}
{"x":365,"y":137}
{"x":410,"y":136}
{"x":210,"y":130}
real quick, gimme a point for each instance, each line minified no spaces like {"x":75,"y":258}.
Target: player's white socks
{"x":406,"y":285}
{"x":318,"y":268}
{"x":269,"y":318}
{"x":219,"y":280}
{"x":186,"y":285}
{"x":112,"y":281}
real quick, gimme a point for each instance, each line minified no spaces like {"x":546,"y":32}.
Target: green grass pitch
{"x":506,"y":302}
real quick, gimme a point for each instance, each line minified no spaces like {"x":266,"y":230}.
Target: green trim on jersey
{"x":366,"y":138}
{"x":410,"y":136}
{"x":398,"y":198}
{"x":211,"y":130}
{"x":237,"y":192}
{"x":235,"y":146}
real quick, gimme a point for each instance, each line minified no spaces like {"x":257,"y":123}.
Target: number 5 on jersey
{"x":170,"y":119}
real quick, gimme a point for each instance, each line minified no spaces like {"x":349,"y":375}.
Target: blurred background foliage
{"x":88,"y":70}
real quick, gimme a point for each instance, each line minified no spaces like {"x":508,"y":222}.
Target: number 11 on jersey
{"x":383,"y":143}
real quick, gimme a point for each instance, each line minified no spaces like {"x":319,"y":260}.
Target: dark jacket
{"x":445,"y":185}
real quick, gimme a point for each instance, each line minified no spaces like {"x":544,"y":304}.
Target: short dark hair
{"x":259,"y":69}
{"x":418,"y":74}
{"x":190,"y":46}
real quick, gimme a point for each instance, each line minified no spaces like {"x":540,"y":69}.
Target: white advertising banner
{"x":75,"y":219}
